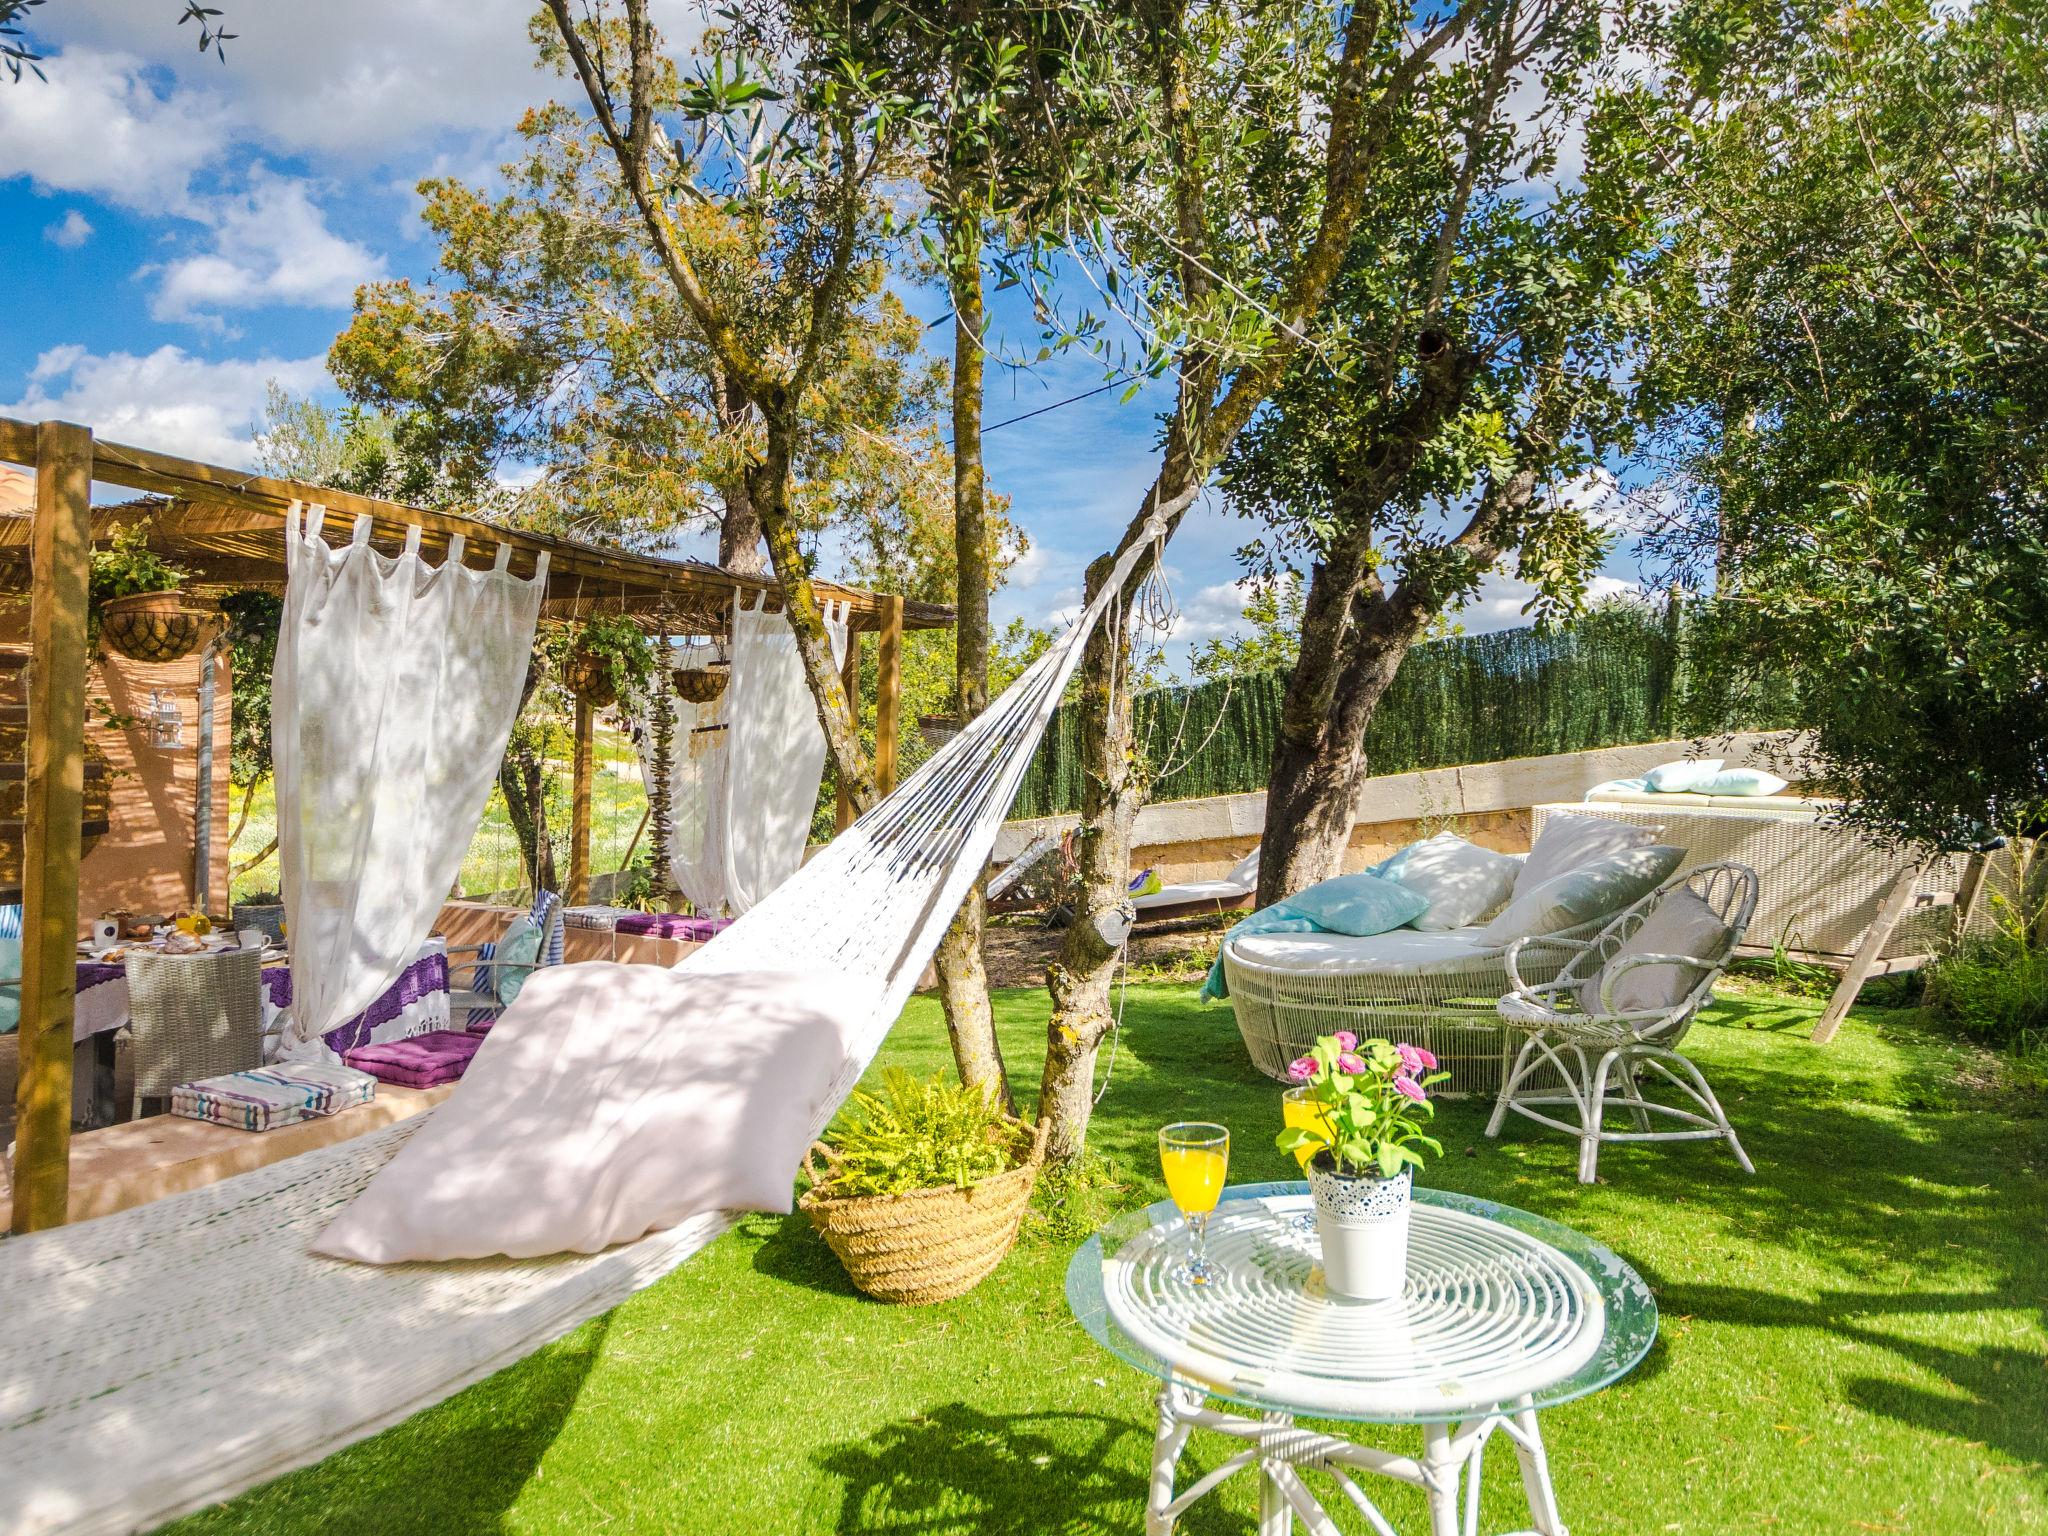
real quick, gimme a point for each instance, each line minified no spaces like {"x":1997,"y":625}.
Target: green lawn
{"x":1852,"y":1341}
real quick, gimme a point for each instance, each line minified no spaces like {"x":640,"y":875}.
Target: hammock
{"x":171,"y":1356}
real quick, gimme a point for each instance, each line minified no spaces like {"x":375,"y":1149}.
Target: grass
{"x":1852,"y":1341}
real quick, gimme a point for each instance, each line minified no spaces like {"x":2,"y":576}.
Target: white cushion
{"x":1244,"y":874}
{"x":1584,"y":895}
{"x":1193,"y":890}
{"x":611,"y":1101}
{"x":1463,"y":882}
{"x":1681,"y":924}
{"x":1570,"y":841}
{"x":1686,"y":776}
{"x":1745,"y":781}
{"x":1619,"y":789}
{"x":1401,"y":951}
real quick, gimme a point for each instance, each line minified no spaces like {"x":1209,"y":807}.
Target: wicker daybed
{"x":1436,"y":990}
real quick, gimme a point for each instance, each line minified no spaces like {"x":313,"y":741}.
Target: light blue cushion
{"x":517,"y":952}
{"x":10,"y":993}
{"x":1745,"y":781}
{"x":1614,"y":788}
{"x":1359,"y":905}
{"x":1688,"y":776}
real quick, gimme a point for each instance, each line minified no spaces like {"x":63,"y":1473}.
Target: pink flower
{"x":1301,"y":1069}
{"x":1346,"y":1041}
{"x":1414,"y":1058}
{"x":1409,"y":1088}
{"x":1351,"y":1062}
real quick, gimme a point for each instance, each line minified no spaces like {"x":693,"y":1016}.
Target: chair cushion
{"x":1687,"y":776}
{"x":1619,"y":789}
{"x":418,"y":1061}
{"x":1193,"y":890}
{"x":512,"y":962}
{"x":1462,"y":882}
{"x":1359,"y":904}
{"x":1401,"y":952}
{"x":1584,"y":895}
{"x":1244,"y":874}
{"x":1745,"y":782}
{"x":268,"y":1097}
{"x":611,"y":1101}
{"x":1571,"y":841}
{"x":1680,"y":924}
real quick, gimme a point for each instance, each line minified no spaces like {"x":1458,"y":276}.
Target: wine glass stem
{"x":1200,"y":1246}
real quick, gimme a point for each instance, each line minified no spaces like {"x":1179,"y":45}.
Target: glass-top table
{"x":1504,"y":1313}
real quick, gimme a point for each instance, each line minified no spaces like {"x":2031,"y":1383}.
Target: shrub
{"x":1994,"y":990}
{"x":920,"y":1133}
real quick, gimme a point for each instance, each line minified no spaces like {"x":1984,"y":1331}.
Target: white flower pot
{"x":1362,"y":1221}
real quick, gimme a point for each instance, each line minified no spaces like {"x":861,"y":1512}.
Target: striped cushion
{"x":268,"y":1097}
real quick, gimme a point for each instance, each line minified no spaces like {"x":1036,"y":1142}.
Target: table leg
{"x":1171,"y":1440}
{"x":1443,"y":1466}
{"x":1535,"y":1472}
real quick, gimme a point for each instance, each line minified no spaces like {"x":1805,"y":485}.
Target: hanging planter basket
{"x":155,"y":626}
{"x":931,"y":1245}
{"x":700,"y":685}
{"x":590,"y":680}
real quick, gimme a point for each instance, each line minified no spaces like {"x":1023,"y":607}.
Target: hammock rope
{"x":170,"y":1356}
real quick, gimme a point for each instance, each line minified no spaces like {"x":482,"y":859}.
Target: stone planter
{"x":1362,"y":1222}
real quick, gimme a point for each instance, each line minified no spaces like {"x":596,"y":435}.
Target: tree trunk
{"x":1079,"y":980}
{"x":739,"y":530}
{"x":1340,"y":678}
{"x":963,"y":979}
{"x":768,"y":485}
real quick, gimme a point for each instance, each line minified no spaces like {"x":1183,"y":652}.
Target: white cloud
{"x":69,"y":232}
{"x":1211,"y":613}
{"x":365,"y":80}
{"x":97,"y":126}
{"x":271,"y":245}
{"x":166,"y":399}
{"x":1502,"y":598}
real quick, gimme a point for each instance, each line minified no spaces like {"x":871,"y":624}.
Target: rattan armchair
{"x":193,"y":1016}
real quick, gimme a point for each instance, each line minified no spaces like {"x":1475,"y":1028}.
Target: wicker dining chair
{"x":1580,"y":1024}
{"x":193,"y":1016}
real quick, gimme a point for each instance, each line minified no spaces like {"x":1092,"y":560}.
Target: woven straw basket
{"x":931,"y":1245}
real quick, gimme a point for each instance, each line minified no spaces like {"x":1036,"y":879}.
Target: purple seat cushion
{"x":672,"y":925}
{"x":419,"y":1061}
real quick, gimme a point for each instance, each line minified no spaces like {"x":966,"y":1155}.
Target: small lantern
{"x":166,"y":722}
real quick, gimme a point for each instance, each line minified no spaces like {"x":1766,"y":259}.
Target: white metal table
{"x":1504,"y":1314}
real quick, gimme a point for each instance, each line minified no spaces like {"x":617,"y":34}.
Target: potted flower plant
{"x":923,"y":1188}
{"x":608,"y":657}
{"x":1371,"y":1099}
{"x":135,"y":603}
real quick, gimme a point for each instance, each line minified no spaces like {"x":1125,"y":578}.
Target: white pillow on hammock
{"x":611,"y":1101}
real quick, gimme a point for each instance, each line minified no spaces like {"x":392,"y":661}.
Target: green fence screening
{"x":1619,"y":675}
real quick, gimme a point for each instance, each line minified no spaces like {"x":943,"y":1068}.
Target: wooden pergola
{"x":226,"y":527}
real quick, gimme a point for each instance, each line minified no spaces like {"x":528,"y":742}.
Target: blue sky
{"x":179,"y":231}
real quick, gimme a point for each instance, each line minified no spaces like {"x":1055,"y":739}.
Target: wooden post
{"x":60,"y":561}
{"x":849,"y":679}
{"x":1893,"y":907}
{"x":889,"y":694}
{"x":579,"y":807}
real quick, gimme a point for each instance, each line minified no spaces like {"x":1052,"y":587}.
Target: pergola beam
{"x":582,"y":576}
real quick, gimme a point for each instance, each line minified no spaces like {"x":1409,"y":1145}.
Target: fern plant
{"x":920,"y":1133}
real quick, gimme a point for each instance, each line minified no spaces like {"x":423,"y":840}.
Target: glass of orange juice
{"x":1195,"y":1157}
{"x":1300,"y":1109}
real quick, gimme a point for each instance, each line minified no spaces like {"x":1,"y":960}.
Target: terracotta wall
{"x":145,"y":861}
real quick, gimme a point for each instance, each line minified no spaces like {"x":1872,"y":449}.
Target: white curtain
{"x":775,"y":757}
{"x":697,"y":756}
{"x":394,"y":690}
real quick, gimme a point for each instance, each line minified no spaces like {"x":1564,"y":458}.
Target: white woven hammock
{"x":170,"y":1356}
